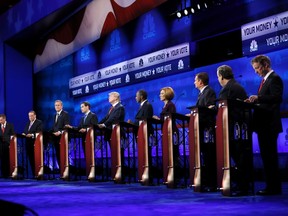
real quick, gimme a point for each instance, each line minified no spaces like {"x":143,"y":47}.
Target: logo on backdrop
{"x":253,"y":46}
{"x":180,"y":64}
{"x":265,"y":35}
{"x":149,"y":29}
{"x":115,"y":41}
{"x":84,"y":54}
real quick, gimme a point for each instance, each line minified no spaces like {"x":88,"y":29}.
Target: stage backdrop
{"x":147,"y":34}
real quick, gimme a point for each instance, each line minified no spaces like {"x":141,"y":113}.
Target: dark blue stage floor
{"x":56,"y":197}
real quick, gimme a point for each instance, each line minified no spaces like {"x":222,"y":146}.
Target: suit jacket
{"x":62,"y":120}
{"x":90,"y":121}
{"x":233,"y":90}
{"x":8,"y":132}
{"x":116,"y":115}
{"x":266,"y":116}
{"x":145,"y":112}
{"x":36,"y":127}
{"x":207,"y":97}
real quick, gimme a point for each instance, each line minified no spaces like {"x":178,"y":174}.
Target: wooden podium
{"x":143,"y":154}
{"x":38,"y":154}
{"x":64,"y":156}
{"x":234,"y":148}
{"x":13,"y":153}
{"x":122,"y":140}
{"x":167,"y":152}
{"x":202,"y":149}
{"x":90,"y":154}
{"x":116,"y":158}
{"x":170,"y":159}
{"x":147,"y":140}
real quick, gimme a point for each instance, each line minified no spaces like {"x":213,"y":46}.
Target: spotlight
{"x":185,"y":11}
{"x":178,"y":14}
{"x":192,"y":10}
{"x":198,"y":6}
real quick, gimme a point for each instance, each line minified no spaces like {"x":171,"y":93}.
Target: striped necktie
{"x":261,"y":84}
{"x":57,"y":116}
{"x":31,"y":123}
{"x":111,"y":108}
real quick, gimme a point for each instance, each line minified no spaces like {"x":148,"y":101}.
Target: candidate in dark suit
{"x":60,"y":120}
{"x":115,"y":115}
{"x":267,"y":121}
{"x":207,"y":120}
{"x":89,"y":119}
{"x":32,"y":127}
{"x":232,"y":90}
{"x":206,"y":97}
{"x":145,"y":110}
{"x":7,"y":130}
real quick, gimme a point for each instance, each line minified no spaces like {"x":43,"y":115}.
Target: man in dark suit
{"x":207,"y":95}
{"x":267,"y":121}
{"x":232,"y":90}
{"x":115,"y":115}
{"x":7,"y":130}
{"x":32,"y":127}
{"x":89,"y":119}
{"x":145,"y":110}
{"x":207,"y":98}
{"x":61,"y":118}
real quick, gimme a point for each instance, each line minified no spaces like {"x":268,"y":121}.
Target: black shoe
{"x":268,"y":192}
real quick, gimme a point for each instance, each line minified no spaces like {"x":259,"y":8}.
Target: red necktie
{"x":260,"y":87}
{"x":111,"y":108}
{"x":3,"y":129}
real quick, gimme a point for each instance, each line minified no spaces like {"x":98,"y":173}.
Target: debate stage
{"x":57,"y":197}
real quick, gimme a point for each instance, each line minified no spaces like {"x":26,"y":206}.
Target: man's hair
{"x":262,"y":60}
{"x":143,"y":93}
{"x":116,"y":94}
{"x":225,"y":71}
{"x":86,"y":103}
{"x":203,"y":76}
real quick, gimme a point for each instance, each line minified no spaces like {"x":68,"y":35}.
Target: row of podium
{"x":210,"y":148}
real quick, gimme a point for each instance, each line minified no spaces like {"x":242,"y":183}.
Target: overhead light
{"x":186,"y":12}
{"x":192,"y":10}
{"x":198,"y":6}
{"x":178,"y":14}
